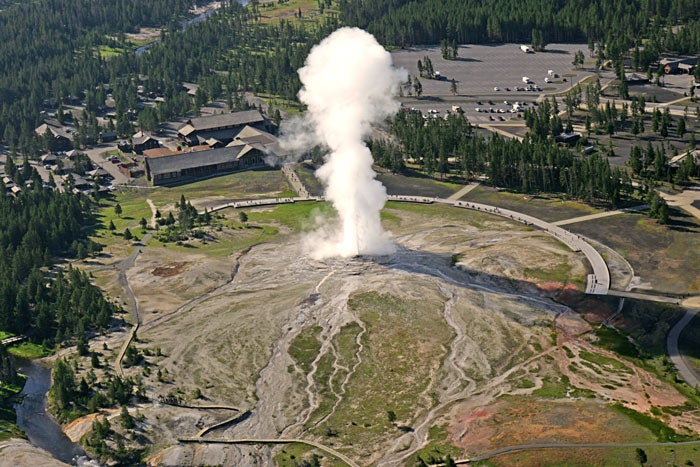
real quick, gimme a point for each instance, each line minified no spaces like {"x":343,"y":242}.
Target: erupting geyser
{"x":348,"y":84}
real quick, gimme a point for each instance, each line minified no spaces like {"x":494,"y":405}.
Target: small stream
{"x":41,"y":428}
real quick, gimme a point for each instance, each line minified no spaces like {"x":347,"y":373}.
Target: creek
{"x":41,"y":428}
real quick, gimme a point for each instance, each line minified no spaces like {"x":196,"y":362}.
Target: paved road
{"x":95,"y":155}
{"x":684,"y":369}
{"x":684,"y":200}
{"x":600,"y":215}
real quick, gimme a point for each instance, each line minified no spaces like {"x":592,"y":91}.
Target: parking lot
{"x":480,"y":69}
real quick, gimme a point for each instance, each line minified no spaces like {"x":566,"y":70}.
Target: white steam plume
{"x":348,"y":84}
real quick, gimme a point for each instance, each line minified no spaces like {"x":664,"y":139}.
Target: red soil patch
{"x":170,"y":269}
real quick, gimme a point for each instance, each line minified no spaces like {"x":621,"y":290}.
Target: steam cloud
{"x":348,"y":84}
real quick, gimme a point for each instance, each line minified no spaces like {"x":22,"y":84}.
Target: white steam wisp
{"x":349,"y":83}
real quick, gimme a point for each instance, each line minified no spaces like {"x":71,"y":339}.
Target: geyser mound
{"x":349,"y":83}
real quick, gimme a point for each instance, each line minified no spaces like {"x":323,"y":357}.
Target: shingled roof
{"x":212,"y":122}
{"x":189,"y":160}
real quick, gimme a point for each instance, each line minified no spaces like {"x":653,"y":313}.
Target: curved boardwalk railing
{"x":598,"y":283}
{"x":314,"y":444}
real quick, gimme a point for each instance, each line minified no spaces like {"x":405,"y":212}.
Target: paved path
{"x":600,"y":215}
{"x":684,"y":200}
{"x":133,"y":305}
{"x":314,"y":444}
{"x":463,"y":191}
{"x":530,"y":447}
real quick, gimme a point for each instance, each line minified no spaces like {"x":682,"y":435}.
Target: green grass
{"x":134,"y":207}
{"x":345,"y":345}
{"x":28,"y":350}
{"x":8,"y":390}
{"x":603,"y":361}
{"x":546,"y":207}
{"x":401,"y":333}
{"x":297,"y":216}
{"x":305,"y":346}
{"x":225,"y":243}
{"x":239,"y":185}
{"x":448,"y":213}
{"x":5,"y":335}
{"x":285,"y":105}
{"x":560,"y":272}
{"x":553,"y":388}
{"x":615,"y":341}
{"x":437,"y":448}
{"x":523,"y":383}
{"x":107,"y":52}
{"x":667,"y":256}
{"x":658,"y":428}
{"x":273,"y":11}
{"x":8,"y":417}
{"x":292,"y":455}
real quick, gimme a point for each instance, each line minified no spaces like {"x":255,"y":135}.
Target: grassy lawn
{"x":296,"y":216}
{"x":603,"y":361}
{"x":274,"y":11}
{"x":397,"y":184}
{"x":667,"y":256}
{"x":239,"y":185}
{"x":226,"y":241}
{"x":451,"y":214}
{"x":307,"y":177}
{"x":107,"y":52}
{"x":28,"y":350}
{"x":292,"y":108}
{"x":134,"y":207}
{"x":546,"y":207}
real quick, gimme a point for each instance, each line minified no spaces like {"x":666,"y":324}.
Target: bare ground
{"x":459,"y":317}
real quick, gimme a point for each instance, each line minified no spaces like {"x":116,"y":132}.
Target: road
{"x":684,"y":200}
{"x":95,"y":155}
{"x":530,"y":447}
{"x":684,"y":369}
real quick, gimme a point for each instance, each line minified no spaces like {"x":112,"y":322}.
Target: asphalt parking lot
{"x":481,"y":68}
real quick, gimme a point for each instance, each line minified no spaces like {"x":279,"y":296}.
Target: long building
{"x":220,"y":128}
{"x":248,"y":150}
